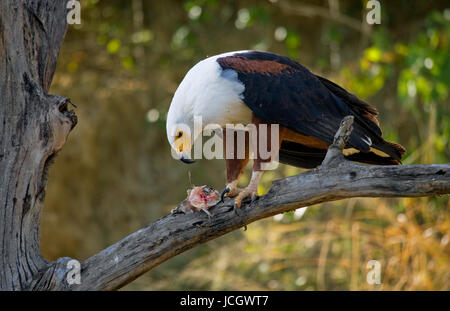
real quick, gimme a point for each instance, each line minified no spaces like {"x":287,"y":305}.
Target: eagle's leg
{"x":260,"y":164}
{"x":235,"y":162}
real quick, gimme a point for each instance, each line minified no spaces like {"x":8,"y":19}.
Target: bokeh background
{"x":121,"y":66}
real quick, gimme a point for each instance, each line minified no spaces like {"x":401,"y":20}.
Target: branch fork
{"x":334,"y":155}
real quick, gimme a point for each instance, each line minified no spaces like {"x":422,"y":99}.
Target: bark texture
{"x":34,"y":126}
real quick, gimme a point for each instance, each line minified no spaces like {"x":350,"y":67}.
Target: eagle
{"x":262,"y":88}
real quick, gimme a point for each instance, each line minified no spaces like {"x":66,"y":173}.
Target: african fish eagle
{"x":253,"y":87}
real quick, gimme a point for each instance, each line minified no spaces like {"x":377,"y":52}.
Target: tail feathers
{"x":366,"y":123}
{"x":394,"y":150}
{"x":306,"y":157}
{"x":372,"y":158}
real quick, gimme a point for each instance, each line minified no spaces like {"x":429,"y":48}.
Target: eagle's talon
{"x":231,"y":190}
{"x":237,"y":205}
{"x":224,"y":192}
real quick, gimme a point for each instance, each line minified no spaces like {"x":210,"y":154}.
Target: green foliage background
{"x":121,"y":67}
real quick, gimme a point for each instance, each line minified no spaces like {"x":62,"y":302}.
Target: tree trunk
{"x":34,"y":126}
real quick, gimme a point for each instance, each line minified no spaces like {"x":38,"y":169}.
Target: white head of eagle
{"x":246,"y":87}
{"x":209,"y":92}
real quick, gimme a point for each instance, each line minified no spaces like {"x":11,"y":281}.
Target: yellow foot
{"x":250,"y":191}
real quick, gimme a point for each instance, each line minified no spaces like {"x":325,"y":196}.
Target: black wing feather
{"x":280,"y":90}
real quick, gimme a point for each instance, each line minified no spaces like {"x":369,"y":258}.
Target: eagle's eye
{"x":179,"y":134}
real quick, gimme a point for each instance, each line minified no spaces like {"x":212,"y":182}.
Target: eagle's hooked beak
{"x":182,"y":146}
{"x":187,"y":160}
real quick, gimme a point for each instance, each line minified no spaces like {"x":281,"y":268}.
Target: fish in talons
{"x":200,"y":198}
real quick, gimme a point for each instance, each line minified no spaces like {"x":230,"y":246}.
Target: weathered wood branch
{"x":173,"y":234}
